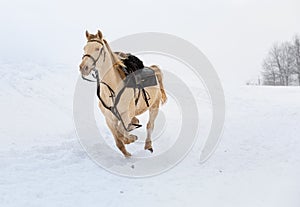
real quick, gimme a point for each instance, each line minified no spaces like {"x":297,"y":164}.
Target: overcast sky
{"x":235,"y":35}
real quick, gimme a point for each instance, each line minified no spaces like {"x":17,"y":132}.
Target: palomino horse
{"x":98,"y":57}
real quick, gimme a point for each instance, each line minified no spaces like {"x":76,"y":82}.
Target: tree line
{"x":281,"y":67}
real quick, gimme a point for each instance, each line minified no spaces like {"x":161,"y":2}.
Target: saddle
{"x":141,"y":78}
{"x":137,"y":75}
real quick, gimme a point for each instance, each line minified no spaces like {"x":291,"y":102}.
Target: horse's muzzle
{"x":84,"y":70}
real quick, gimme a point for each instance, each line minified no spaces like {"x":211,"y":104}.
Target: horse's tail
{"x":159,"y":76}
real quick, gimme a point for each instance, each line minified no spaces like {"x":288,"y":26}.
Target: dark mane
{"x":131,"y":62}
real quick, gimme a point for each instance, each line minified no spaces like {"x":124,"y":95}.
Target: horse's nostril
{"x":83,"y":68}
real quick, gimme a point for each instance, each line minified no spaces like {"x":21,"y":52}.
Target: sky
{"x":235,"y":35}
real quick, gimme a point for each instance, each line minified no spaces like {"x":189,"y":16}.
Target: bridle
{"x":91,"y":57}
{"x":95,"y":60}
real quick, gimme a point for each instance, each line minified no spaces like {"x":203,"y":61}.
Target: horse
{"x":107,"y":65}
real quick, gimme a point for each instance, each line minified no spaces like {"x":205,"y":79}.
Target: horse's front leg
{"x":119,"y":139}
{"x":127,"y":137}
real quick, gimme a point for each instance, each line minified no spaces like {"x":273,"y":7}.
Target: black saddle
{"x":137,"y":75}
{"x":141,"y":78}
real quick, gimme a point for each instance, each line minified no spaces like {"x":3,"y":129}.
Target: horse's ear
{"x":99,"y":34}
{"x":87,"y":34}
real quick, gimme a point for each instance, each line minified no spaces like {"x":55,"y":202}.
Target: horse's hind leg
{"x":153,"y":111}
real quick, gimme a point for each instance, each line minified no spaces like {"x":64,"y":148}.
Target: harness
{"x":131,"y":81}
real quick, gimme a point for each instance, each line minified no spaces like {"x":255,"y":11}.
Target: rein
{"x":115,"y":99}
{"x":89,"y":80}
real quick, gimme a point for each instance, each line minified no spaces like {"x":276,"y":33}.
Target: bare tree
{"x":296,"y":56}
{"x":278,"y":67}
{"x":270,"y":73}
{"x":276,"y":63}
{"x":287,"y":60}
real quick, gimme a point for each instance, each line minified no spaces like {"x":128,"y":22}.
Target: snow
{"x":42,"y":163}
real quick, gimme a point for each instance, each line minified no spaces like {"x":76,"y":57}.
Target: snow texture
{"x":42,"y":163}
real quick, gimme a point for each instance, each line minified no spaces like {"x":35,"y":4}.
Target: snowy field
{"x":257,"y":163}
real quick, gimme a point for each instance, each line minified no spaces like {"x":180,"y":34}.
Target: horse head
{"x":93,"y":50}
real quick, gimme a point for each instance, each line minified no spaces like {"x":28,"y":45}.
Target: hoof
{"x":130,"y":139}
{"x":127,"y":155}
{"x":133,"y":137}
{"x":148,"y":146}
{"x":135,"y":120}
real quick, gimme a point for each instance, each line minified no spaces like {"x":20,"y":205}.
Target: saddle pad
{"x":141,"y":78}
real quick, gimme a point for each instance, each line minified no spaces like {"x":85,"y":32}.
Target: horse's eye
{"x":97,"y":49}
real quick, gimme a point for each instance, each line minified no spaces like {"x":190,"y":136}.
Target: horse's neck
{"x":108,"y":73}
